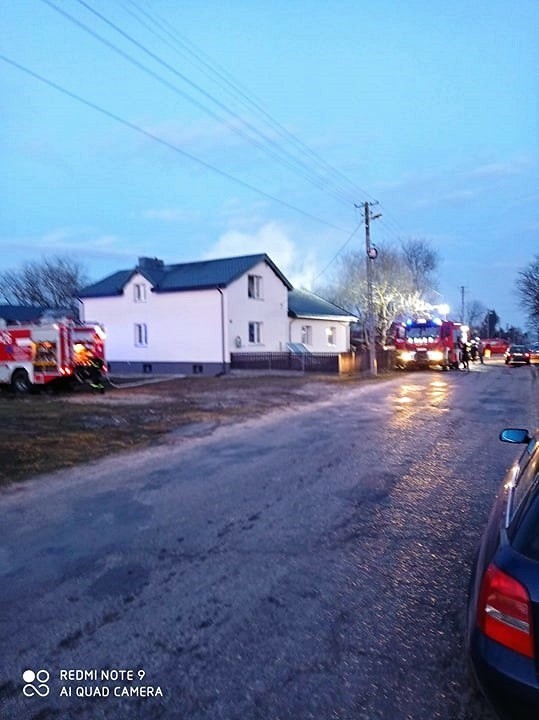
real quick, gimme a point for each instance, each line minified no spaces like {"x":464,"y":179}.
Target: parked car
{"x":503,"y":606}
{"x":534,"y":353}
{"x":517,"y":355}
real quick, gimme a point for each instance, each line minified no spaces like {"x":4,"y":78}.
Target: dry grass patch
{"x":46,"y":431}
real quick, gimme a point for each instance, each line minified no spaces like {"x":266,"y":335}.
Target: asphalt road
{"x":312,"y":563}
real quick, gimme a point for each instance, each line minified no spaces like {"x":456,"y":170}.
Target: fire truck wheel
{"x":20,"y":382}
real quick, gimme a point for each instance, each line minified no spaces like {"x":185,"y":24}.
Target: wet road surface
{"x":309,"y":564}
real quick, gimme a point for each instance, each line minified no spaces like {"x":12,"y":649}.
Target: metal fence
{"x":308,"y":362}
{"x":350,"y":363}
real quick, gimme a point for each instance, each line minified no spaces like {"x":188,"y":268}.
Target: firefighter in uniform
{"x":95,"y":374}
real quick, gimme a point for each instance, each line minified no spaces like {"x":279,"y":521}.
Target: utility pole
{"x":491,"y":323}
{"x":371,"y":254}
{"x":462,"y":290}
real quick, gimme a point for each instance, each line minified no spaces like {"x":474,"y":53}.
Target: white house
{"x":318,"y":325}
{"x":189,"y":318}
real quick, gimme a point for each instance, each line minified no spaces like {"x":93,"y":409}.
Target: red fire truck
{"x":494,"y":346}
{"x":428,"y":343}
{"x":38,"y":354}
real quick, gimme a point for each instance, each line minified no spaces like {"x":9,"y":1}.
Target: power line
{"x":162,"y":141}
{"x":224,"y":79}
{"x":246,"y":98}
{"x":339,"y":251}
{"x":266,"y":146}
{"x":174,"y":88}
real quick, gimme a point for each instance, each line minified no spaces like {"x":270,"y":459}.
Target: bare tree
{"x":475,"y":314}
{"x":49,"y":283}
{"x":394,"y":292}
{"x":490,"y":324}
{"x":422,"y":262}
{"x":528,"y":291}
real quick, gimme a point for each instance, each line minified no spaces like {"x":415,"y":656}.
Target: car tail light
{"x":504,"y":611}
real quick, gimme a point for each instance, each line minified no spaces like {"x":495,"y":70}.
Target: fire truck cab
{"x":425,"y":342}
{"x":38,"y":354}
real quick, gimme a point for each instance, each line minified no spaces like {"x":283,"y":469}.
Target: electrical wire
{"x":339,"y":251}
{"x":268,"y":146}
{"x":246,"y":98}
{"x":166,"y":143}
{"x":225,"y":80}
{"x":249,"y":102}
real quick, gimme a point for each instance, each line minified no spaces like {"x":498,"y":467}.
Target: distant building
{"x":18,"y":314}
{"x":21,"y":314}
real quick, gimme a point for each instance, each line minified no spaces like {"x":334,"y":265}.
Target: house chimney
{"x":146,"y":263}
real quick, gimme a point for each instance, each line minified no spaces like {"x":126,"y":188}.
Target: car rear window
{"x":524,"y":526}
{"x":526,"y":538}
{"x":529,"y":463}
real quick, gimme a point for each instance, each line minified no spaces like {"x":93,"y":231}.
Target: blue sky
{"x":243,"y":127}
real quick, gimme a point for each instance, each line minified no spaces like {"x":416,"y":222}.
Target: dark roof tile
{"x":111,"y":285}
{"x":303,"y":303}
{"x":20,"y":313}
{"x":184,"y":276}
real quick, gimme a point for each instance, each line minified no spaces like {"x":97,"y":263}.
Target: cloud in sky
{"x":453,"y":197}
{"x":239,"y":215}
{"x":85,"y":244}
{"x":170,"y":215}
{"x":203,"y":133}
{"x":455,"y":173}
{"x":272,"y":238}
{"x":84,"y":241}
{"x":494,"y":170}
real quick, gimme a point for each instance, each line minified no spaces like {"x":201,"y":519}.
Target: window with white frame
{"x":141,"y":335}
{"x":139,"y":292}
{"x":331,"y":333}
{"x":307,"y":334}
{"x":255,"y":333}
{"x":254,"y":286}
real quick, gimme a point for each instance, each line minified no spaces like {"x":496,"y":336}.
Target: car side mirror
{"x":515,"y":435}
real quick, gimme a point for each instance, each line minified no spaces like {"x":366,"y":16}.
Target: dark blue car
{"x":503,"y":610}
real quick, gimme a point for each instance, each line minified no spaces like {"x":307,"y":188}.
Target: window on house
{"x":255,"y":333}
{"x":307,"y":334}
{"x":140,"y":292}
{"x":254,"y":286}
{"x":331,"y":333}
{"x":141,"y":334}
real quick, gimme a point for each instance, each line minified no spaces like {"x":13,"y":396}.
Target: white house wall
{"x":320,"y":328}
{"x":182,"y":327}
{"x":271,"y":310}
